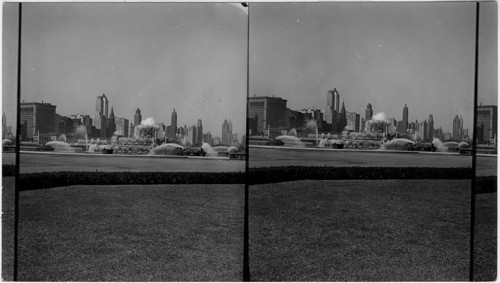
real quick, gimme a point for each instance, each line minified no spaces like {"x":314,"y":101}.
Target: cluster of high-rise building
{"x":40,"y":122}
{"x":270,"y":116}
{"x":266,"y":116}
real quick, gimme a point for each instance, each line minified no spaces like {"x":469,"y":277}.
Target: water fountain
{"x":379,"y":124}
{"x":60,"y":146}
{"x":217,"y":150}
{"x":291,"y":141}
{"x":167,"y":149}
{"x":398,"y":144}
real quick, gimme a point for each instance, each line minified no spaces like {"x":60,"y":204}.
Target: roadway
{"x":32,"y":163}
{"x":259,"y":157}
{"x":265,"y":157}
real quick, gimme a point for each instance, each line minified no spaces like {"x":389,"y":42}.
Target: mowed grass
{"x":7,"y":228}
{"x":379,"y":230}
{"x":132,"y":233}
{"x":485,"y":238}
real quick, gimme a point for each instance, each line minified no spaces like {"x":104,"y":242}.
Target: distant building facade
{"x":458,"y":125}
{"x":353,"y":121}
{"x":137,"y":117}
{"x":227,"y":131}
{"x":270,"y":111}
{"x":368,"y":112}
{"x":487,"y":118}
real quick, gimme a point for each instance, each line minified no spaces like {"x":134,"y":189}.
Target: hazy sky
{"x":156,"y":57}
{"x":192,"y":57}
{"x":388,"y":54}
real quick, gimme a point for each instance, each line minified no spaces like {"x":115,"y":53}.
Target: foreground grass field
{"x":485,"y":239}
{"x":302,"y":230}
{"x":387,"y":230}
{"x":131,"y":233}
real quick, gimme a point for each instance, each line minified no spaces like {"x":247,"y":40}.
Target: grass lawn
{"x":131,"y":233}
{"x":378,"y":230}
{"x":485,"y":238}
{"x":7,"y":228}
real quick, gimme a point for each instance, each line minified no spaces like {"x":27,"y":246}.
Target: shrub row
{"x":487,"y":184}
{"x":8,"y":170}
{"x":44,"y":180}
{"x":34,"y":181}
{"x":292,"y":173}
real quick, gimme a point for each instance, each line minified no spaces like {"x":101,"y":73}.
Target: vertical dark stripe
{"x":18,"y":145}
{"x":246,"y":257}
{"x":474,"y":151}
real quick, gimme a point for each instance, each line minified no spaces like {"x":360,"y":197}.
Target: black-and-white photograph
{"x":126,"y":93}
{"x":364,"y":112}
{"x":260,"y":141}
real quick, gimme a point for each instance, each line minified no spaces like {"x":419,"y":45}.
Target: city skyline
{"x":386,"y":54}
{"x":155,"y":56}
{"x":424,"y":17}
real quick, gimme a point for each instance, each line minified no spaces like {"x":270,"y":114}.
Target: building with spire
{"x":343,"y":118}
{"x":110,"y":125}
{"x":368,"y":112}
{"x":137,"y":117}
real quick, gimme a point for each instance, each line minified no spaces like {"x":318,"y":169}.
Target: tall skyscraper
{"x":227,"y":131}
{"x":110,"y":125}
{"x":330,"y":99}
{"x":172,"y":129}
{"x":343,"y":118}
{"x":101,"y":112}
{"x":368,"y":112}
{"x":430,"y":128}
{"x":458,"y":124}
{"x":337,"y":100}
{"x":4,"y":126}
{"x":199,"y":135}
{"x":137,"y":117}
{"x":405,"y":117}
{"x":101,"y":105}
{"x":173,"y":122}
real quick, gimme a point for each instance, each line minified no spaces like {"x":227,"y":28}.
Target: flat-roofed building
{"x":270,"y":111}
{"x":487,"y":121}
{"x":38,"y":118}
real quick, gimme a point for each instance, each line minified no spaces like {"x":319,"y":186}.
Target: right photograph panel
{"x":360,"y":120}
{"x":485,"y":216}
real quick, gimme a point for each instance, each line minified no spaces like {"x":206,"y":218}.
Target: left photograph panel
{"x":132,"y":140}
